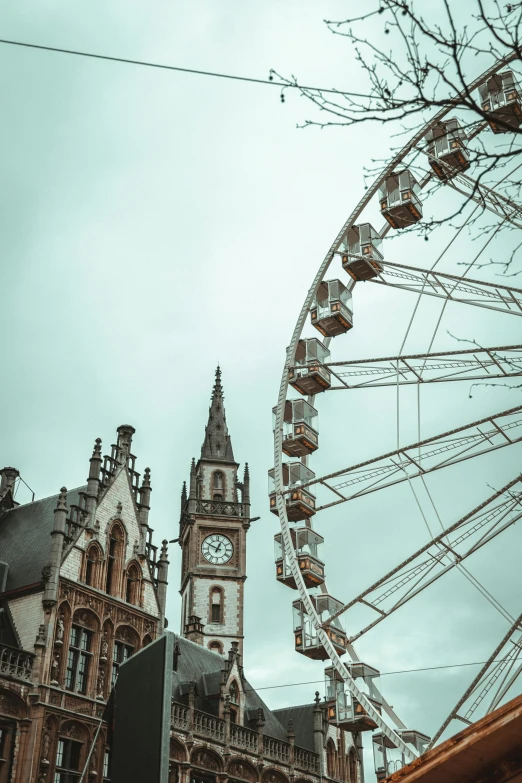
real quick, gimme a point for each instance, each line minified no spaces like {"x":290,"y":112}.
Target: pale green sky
{"x":153,"y":224}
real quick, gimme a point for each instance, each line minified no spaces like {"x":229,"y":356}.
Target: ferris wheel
{"x":437,"y":157}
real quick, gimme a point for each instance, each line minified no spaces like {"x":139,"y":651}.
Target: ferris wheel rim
{"x":289,"y":551}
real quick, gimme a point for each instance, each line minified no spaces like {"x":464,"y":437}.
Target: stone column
{"x":57,"y":538}
{"x":318,"y":731}
{"x":144,"y":507}
{"x":163,"y":571}
{"x":260,"y":731}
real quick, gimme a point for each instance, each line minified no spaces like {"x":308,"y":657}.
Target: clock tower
{"x":215,"y":517}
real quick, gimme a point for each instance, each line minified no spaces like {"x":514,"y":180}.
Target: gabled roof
{"x":204,"y":667}
{"x":302,"y":718}
{"x":25,"y":538}
{"x":217,"y":445}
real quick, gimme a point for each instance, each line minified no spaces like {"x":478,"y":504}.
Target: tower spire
{"x":217,"y":444}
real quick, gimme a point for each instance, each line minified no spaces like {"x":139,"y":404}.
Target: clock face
{"x":217,"y":549}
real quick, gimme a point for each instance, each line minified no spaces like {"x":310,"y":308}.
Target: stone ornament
{"x":55,"y":666}
{"x":104,"y":647}
{"x":239,"y":769}
{"x":60,"y":629}
{"x":201,"y":757}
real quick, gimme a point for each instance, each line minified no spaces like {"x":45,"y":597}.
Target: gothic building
{"x":81,"y":589}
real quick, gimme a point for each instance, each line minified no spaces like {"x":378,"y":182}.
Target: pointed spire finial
{"x":97,"y":448}
{"x":164,"y":550}
{"x":217,"y":444}
{"x":146,"y":478}
{"x":62,"y":499}
{"x":183,"y":494}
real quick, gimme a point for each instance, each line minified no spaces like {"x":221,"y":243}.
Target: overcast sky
{"x":154,"y":224}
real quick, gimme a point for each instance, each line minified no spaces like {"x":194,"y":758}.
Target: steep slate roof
{"x":25,"y":540}
{"x":303,"y":719}
{"x":203,"y":666}
{"x":217,"y":444}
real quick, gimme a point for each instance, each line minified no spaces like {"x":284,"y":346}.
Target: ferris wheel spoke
{"x":469,"y":365}
{"x":426,"y":456}
{"x":495,"y":202}
{"x":450,"y":287}
{"x":498,"y":665}
{"x":439,"y":556}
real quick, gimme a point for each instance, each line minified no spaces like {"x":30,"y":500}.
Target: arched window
{"x":79,"y":671}
{"x":133,"y":586}
{"x":93,"y":558}
{"x":216,"y":605}
{"x":331,"y":759}
{"x":218,"y":485}
{"x":116,"y":548}
{"x":126,"y":643}
{"x":216,"y":647}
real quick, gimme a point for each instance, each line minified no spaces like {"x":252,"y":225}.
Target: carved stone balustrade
{"x":179,"y":716}
{"x":220,"y":508}
{"x":276,"y":750}
{"x":208,"y":726}
{"x":16,"y":663}
{"x":243,"y":738}
{"x":306,"y":760}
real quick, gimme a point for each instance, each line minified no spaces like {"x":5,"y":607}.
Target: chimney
{"x":8,"y":477}
{"x":194,"y":629}
{"x":124,"y":442}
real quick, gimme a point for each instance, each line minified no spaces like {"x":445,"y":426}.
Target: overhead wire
{"x":383,"y":674}
{"x":163,"y":66}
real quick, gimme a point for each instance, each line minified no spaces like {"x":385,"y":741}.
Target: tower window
{"x":216,"y":647}
{"x":218,"y":485}
{"x":216,"y":605}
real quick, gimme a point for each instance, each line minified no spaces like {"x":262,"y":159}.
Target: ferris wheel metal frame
{"x":495,"y":514}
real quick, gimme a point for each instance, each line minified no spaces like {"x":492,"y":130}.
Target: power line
{"x":384,"y":674}
{"x":146,"y":64}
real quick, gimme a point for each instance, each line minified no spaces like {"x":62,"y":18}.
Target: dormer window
{"x":233,"y":692}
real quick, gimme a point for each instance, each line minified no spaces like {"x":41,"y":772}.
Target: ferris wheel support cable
{"x":388,"y":731}
{"x":478,"y":679}
{"x":490,"y":522}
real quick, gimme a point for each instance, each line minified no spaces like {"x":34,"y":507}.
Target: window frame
{"x":117,"y":647}
{"x":63,"y":772}
{"x":216,"y":608}
{"x":78,"y":654}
